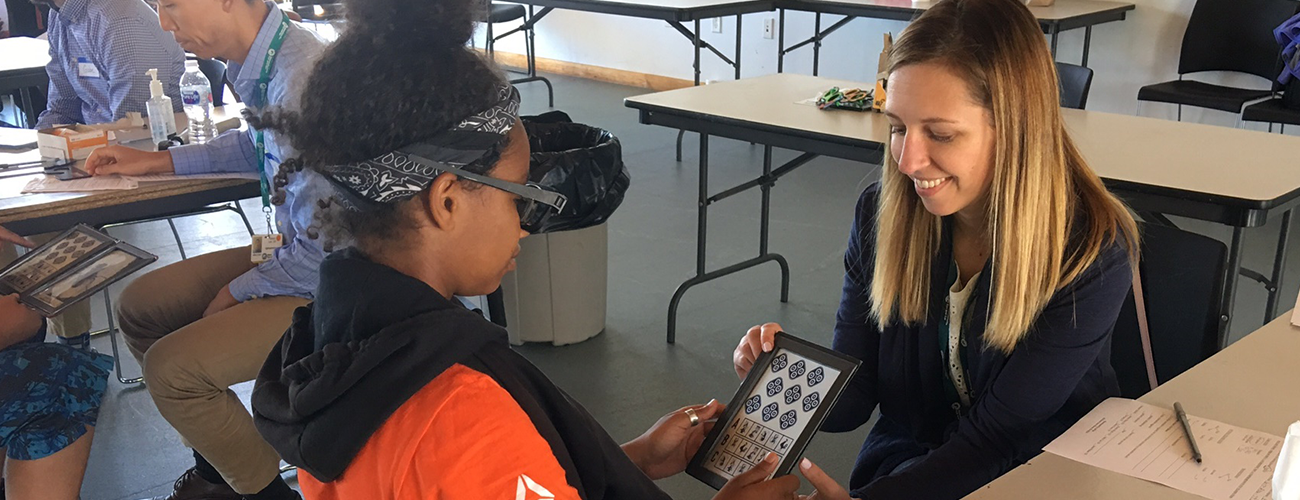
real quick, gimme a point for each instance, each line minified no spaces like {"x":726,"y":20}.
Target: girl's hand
{"x":667,"y":447}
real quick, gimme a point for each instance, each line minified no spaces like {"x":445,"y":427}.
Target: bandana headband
{"x":394,"y":176}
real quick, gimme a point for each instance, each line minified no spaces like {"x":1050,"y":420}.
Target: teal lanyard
{"x":258,"y":137}
{"x":950,"y":388}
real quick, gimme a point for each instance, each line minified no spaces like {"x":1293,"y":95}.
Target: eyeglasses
{"x":535,"y":204}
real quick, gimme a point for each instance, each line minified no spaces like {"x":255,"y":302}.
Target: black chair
{"x":1075,"y":82}
{"x":1224,"y":35}
{"x":1283,"y":110}
{"x":507,"y":12}
{"x":1182,"y":281}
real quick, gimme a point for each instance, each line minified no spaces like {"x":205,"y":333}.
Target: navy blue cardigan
{"x":1019,"y":402}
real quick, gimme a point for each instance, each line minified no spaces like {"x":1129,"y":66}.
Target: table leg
{"x":701,"y":235}
{"x":1279,"y":265}
{"x":29,"y":114}
{"x":817,"y":41}
{"x":697,"y":52}
{"x":1056,"y":33}
{"x":765,"y":221}
{"x":1087,"y":42}
{"x":765,"y":183}
{"x":1230,"y":286}
{"x":780,"y":42}
{"x":681,"y":134}
{"x":738,"y":16}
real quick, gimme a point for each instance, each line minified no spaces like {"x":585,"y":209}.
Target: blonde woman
{"x":984,"y":272}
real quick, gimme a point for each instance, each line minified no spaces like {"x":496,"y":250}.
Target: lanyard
{"x":950,"y":389}
{"x":258,"y":137}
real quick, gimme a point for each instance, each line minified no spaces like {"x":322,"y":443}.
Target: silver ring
{"x":695,"y":419}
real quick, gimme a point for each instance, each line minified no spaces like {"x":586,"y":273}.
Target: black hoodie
{"x":373,"y":338}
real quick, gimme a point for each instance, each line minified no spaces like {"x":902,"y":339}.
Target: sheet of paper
{"x":1147,"y":442}
{"x":174,"y":177}
{"x":49,"y":184}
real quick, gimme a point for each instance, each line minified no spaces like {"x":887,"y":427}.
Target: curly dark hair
{"x":399,"y":73}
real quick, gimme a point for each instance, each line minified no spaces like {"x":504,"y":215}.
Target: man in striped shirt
{"x":99,"y":52}
{"x":206,"y":323}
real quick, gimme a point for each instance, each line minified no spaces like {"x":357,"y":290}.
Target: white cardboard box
{"x":70,"y":142}
{"x":558,"y":291}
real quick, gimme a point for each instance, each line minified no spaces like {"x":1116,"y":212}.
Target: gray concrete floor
{"x":628,"y":376}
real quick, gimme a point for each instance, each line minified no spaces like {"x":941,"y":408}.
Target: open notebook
{"x":69,"y":268}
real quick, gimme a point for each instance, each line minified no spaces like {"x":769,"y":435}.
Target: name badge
{"x":264,"y":246}
{"x":86,"y":69}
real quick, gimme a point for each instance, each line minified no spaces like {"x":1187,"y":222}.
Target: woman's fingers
{"x":758,"y":340}
{"x":827,"y":488}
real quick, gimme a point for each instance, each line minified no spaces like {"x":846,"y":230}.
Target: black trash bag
{"x":581,"y":162}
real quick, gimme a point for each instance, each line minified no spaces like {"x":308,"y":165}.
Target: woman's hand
{"x":825,"y":488}
{"x":667,"y":447}
{"x":755,"y":485}
{"x":756,"y":341}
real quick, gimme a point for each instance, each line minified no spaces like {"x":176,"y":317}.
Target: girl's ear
{"x":444,"y":197}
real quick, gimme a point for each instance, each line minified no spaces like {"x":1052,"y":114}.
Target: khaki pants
{"x":190,"y":362}
{"x":73,"y":321}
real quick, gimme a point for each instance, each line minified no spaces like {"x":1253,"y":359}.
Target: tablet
{"x":779,"y":407}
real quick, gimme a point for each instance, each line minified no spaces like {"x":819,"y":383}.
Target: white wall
{"x":1126,"y":55}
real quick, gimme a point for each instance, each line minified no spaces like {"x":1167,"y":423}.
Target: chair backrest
{"x":215,"y":71}
{"x":1075,"y":81}
{"x":1182,"y":282}
{"x":1234,"y":35}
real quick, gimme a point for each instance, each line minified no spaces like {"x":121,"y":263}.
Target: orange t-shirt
{"x":460,"y":436}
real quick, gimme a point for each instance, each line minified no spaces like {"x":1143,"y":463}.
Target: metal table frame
{"x":674,"y":16}
{"x":810,"y":144}
{"x":1051,"y":27}
{"x":1153,"y":202}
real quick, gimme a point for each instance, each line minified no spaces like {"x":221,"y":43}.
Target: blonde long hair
{"x":1041,"y":183}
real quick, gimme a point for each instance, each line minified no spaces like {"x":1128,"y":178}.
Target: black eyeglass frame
{"x":529,"y":217}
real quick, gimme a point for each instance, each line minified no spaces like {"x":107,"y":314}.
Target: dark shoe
{"x":192,"y":487}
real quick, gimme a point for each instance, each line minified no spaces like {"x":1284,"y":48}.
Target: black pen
{"x":1187,"y":430}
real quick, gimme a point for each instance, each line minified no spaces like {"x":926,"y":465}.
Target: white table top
{"x":15,"y":205}
{"x":1254,"y":383}
{"x":773,"y":100}
{"x":1203,"y":160}
{"x":1062,"y":9}
{"x":18,"y":53}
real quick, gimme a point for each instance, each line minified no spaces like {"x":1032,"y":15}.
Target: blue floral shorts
{"x":49,"y":393}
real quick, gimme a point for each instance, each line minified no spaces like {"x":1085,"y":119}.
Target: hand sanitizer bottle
{"x":162,"y":121}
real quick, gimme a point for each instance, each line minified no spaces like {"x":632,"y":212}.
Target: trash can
{"x":557,"y":292}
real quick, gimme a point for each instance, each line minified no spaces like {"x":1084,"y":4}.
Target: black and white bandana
{"x":394,"y":176}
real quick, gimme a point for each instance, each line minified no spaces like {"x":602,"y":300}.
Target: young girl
{"x":50,"y":396}
{"x":385,"y":387}
{"x":984,"y":272}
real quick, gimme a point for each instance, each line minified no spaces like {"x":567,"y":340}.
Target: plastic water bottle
{"x":196,"y":92}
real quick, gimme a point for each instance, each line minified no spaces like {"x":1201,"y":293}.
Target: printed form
{"x":1147,"y":442}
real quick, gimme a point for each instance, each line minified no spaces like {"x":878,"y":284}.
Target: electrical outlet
{"x":717,"y":25}
{"x":769,"y":28}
